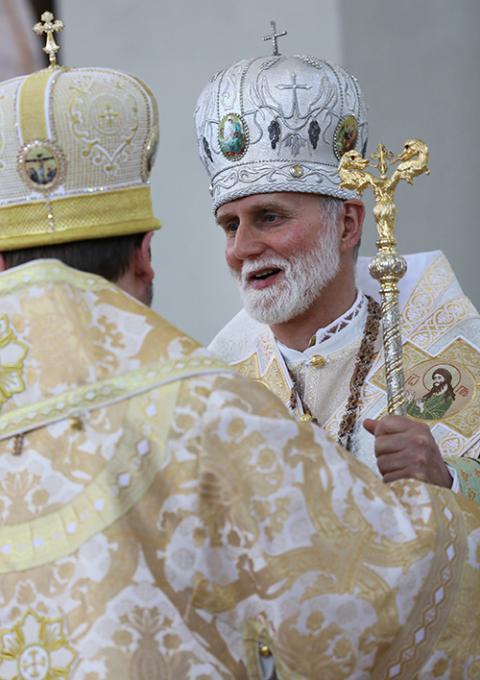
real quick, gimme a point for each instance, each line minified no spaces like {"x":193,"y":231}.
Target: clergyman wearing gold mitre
{"x":271,"y":131}
{"x":162,"y":516}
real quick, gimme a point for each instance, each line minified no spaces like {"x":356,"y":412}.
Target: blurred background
{"x":418,"y":65}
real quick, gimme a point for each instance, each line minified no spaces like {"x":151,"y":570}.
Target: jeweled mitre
{"x":279,"y":123}
{"x":76,"y":149}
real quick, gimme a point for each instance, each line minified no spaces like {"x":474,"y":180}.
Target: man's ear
{"x":353,"y":217}
{"x":3,"y":264}
{"x":143,"y":259}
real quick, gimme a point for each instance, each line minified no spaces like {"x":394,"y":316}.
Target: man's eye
{"x":230,"y":227}
{"x":270,"y":217}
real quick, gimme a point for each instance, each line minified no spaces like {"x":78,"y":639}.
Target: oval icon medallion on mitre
{"x":346,"y":136}
{"x":233,"y":136}
{"x":41,"y":165}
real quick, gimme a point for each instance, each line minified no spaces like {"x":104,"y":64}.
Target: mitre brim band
{"x":266,"y":177}
{"x":77,"y":218}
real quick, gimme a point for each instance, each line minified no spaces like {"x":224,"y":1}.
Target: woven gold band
{"x":32,"y":118}
{"x":76,"y":218}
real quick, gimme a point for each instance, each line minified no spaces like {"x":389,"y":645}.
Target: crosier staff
{"x":387,"y":266}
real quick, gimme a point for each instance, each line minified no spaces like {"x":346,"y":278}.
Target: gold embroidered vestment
{"x":166,"y":514}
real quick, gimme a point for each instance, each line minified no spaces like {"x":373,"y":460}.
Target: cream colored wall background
{"x":417,"y":62}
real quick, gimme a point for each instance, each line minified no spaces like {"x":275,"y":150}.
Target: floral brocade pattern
{"x":188,"y":521}
{"x":12,"y":357}
{"x":108,"y":112}
{"x":226,"y":540}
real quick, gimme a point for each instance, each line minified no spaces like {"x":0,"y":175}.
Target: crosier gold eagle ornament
{"x":387,"y":266}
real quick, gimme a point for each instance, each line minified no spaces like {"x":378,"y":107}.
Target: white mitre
{"x":76,"y":149}
{"x":279,"y":123}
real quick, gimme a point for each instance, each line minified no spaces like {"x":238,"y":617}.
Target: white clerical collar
{"x":339,"y":333}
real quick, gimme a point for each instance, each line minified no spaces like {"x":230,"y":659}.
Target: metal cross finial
{"x":274,"y":37}
{"x":49,"y":26}
{"x":384,"y":158}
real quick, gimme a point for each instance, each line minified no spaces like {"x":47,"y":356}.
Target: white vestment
{"x":440,"y":327}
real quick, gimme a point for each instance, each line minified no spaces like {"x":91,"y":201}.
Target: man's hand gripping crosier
{"x":406,"y":449}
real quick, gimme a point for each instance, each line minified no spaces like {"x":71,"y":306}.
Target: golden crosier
{"x":387,"y":267}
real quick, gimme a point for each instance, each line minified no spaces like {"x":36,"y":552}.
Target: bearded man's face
{"x":282,"y":249}
{"x":439,"y":382}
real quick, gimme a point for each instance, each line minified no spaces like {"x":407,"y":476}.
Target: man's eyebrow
{"x":225,"y":217}
{"x":254,"y":210}
{"x":264,"y":206}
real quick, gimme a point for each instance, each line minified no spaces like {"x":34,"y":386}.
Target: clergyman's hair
{"x":107,"y":257}
{"x":333,"y":209}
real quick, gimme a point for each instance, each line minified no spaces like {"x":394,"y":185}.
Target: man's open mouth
{"x":263,"y":274}
{"x":262,"y":278}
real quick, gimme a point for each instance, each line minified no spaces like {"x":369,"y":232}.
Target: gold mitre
{"x":76,"y":149}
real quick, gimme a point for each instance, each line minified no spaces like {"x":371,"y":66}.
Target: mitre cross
{"x":274,"y":37}
{"x":49,"y":26}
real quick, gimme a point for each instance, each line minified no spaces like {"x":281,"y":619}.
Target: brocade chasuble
{"x":440,"y":330}
{"x":162,"y":517}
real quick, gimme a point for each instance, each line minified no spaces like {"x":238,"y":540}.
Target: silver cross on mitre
{"x":274,"y":37}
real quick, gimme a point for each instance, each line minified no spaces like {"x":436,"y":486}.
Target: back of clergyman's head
{"x":77,"y":147}
{"x":278,"y":123}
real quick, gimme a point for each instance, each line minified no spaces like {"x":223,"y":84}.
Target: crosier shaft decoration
{"x":388,"y":266}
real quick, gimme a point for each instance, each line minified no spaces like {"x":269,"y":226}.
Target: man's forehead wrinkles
{"x":271,"y":205}
{"x":273,"y":200}
{"x":256,"y":208}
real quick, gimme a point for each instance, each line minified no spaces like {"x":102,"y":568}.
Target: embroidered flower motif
{"x":274,"y":133}
{"x":35,"y":648}
{"x":206,"y":148}
{"x":314,"y":133}
{"x":148,"y":646}
{"x":294,"y":142}
{"x":12,"y":356}
{"x":104,"y":117}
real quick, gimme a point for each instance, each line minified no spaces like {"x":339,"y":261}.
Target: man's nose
{"x":247,"y":242}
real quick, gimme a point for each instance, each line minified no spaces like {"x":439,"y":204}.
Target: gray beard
{"x":304,"y":277}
